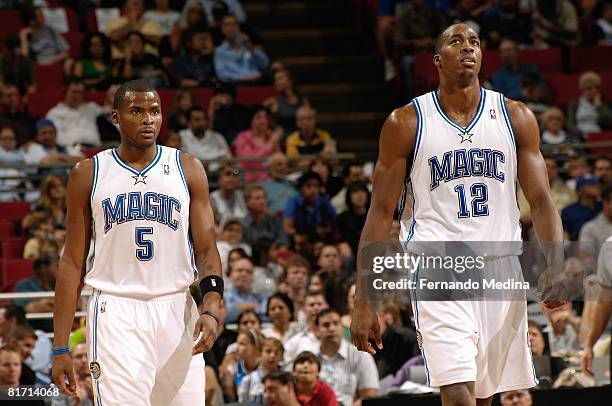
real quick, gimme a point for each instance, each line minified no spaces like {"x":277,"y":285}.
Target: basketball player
{"x":145,"y":211}
{"x":462,"y":149}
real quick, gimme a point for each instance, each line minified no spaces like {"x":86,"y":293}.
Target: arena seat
{"x":254,"y":94}
{"x":74,"y":39}
{"x":591,"y":57}
{"x":10,"y":21}
{"x":564,"y":87}
{"x":92,"y":21}
{"x":13,"y":248}
{"x":40,"y":102}
{"x":604,"y":136}
{"x":14,"y":270}
{"x":12,"y":211}
{"x":96,"y":97}
{"x":49,"y":76}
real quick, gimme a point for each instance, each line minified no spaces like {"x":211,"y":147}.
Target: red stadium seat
{"x":254,"y":94}
{"x":74,"y":39}
{"x":14,"y":270}
{"x":6,"y":229}
{"x":49,"y":76}
{"x":40,"y":102}
{"x":12,"y":211}
{"x":10,"y":21}
{"x":92,"y":21}
{"x":564,"y":87}
{"x":592,"y":58}
{"x":604,"y":136}
{"x":13,"y":248}
{"x":202,"y":96}
{"x":96,"y":97}
{"x":547,"y":60}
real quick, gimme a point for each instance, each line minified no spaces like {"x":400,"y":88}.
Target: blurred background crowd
{"x":290,"y":186}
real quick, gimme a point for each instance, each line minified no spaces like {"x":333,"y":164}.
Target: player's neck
{"x":460,"y":99}
{"x":136,"y":157}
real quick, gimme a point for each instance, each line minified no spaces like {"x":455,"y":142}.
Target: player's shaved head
{"x":133,"y":86}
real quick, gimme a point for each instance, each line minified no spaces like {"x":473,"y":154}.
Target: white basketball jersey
{"x":462,"y":182}
{"x":140,"y":237}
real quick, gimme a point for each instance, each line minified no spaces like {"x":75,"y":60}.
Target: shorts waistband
{"x":141,"y":299}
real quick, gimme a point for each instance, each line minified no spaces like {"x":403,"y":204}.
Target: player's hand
{"x":208,"y":326}
{"x":365,"y":325}
{"x":62,"y":370}
{"x":586,"y":360}
{"x":552,"y":290}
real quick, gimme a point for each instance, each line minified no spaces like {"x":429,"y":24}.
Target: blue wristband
{"x":60,"y":350}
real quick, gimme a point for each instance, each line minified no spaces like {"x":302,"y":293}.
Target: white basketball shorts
{"x":484,"y":342}
{"x":140,"y":351}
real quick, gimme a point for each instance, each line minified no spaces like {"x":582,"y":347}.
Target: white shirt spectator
{"x":76,"y":126}
{"x":211,"y":146}
{"x":226,"y":209}
{"x":166,"y":21}
{"x":37,"y":152}
{"x":348,"y":371}
{"x":604,"y":264}
{"x":304,"y":340}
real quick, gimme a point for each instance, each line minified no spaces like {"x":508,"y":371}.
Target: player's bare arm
{"x":534,"y":182}
{"x":395,"y":147}
{"x":202,"y":227}
{"x":599,"y":321}
{"x":69,"y":281}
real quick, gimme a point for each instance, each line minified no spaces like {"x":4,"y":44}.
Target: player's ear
{"x":115,"y":116}
{"x":436,"y":59}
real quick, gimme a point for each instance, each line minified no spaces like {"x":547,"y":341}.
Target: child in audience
{"x":251,"y":390}
{"x":239,"y":364}
{"x":42,"y":240}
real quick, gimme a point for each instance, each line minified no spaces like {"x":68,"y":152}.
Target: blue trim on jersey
{"x":180,"y":168}
{"x":419,"y":131}
{"x":132,"y":170}
{"x":416,"y":315}
{"x":95,"y":178}
{"x":507,"y":118}
{"x":471,"y":124}
{"x":402,"y":204}
{"x":99,"y":402}
{"x":95,"y":343}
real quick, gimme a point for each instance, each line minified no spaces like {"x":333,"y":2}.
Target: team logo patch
{"x":103,"y":307}
{"x":419,"y":339}
{"x":166,"y":169}
{"x":94,"y":368}
{"x":140,"y":178}
{"x":492,"y":113}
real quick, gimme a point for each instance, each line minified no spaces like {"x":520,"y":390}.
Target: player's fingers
{"x":585,"y":364}
{"x":370,"y":349}
{"x":199,"y":347}
{"x":59,"y":381}
{"x":358,"y":340}
{"x":375,"y":333}
{"x":71,"y":382}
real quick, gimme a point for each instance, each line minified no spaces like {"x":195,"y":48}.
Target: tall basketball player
{"x":462,"y":148}
{"x":143,"y":214}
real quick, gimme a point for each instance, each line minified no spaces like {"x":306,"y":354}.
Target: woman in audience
{"x":181,"y":106}
{"x":138,"y":64}
{"x":95,"y":66}
{"x":350,"y":222}
{"x":42,"y":240}
{"x":52,"y":200}
{"x":285,"y":104}
{"x":237,"y":365}
{"x":251,"y":389}
{"x":347,"y":317}
{"x":310,"y":390}
{"x":194,"y":66}
{"x":331,"y":183}
{"x":553,"y":133}
{"x":231,"y":238}
{"x":249,"y":320}
{"x":590,"y":113}
{"x":330,"y":284}
{"x":259,"y":141}
{"x":280,"y":311}
{"x":267,"y":270}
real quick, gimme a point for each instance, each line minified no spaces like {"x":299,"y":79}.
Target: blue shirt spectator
{"x":309,"y":213}
{"x":194,"y":67}
{"x":241,"y":297}
{"x":586,"y":208}
{"x":236,"y":59}
{"x":508,"y":79}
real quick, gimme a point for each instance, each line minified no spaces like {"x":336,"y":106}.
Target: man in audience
{"x":520,"y":397}
{"x":228,"y":200}
{"x":507,"y":79}
{"x":258,"y":223}
{"x":279,"y":389}
{"x":74,"y":118}
{"x":306,"y":339}
{"x":42,"y":42}
{"x":45,"y":150}
{"x":277,"y":188}
{"x":166,"y":18}
{"x":308,"y":139}
{"x":602,"y":168}
{"x":308,"y":212}
{"x":596,"y":231}
{"x":233,"y":7}
{"x":241,"y":297}
{"x":43,"y":280}
{"x":227,"y":116}
{"x":23,"y":339}
{"x":586,"y":208}
{"x":132,"y":19}
{"x":194,"y":67}
{"x":202,"y":142}
{"x":352,"y":374}
{"x":10,"y":367}
{"x":297,"y":270}
{"x":236,"y":59}
{"x":14,"y":114}
{"x":351,"y":172}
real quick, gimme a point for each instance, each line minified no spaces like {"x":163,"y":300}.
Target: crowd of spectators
{"x":287,"y":230}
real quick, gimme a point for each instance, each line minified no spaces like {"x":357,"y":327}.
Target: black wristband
{"x":212,"y":283}
{"x":211,"y":315}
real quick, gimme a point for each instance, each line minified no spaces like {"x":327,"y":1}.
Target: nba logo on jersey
{"x":166,"y":169}
{"x":492,"y":113}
